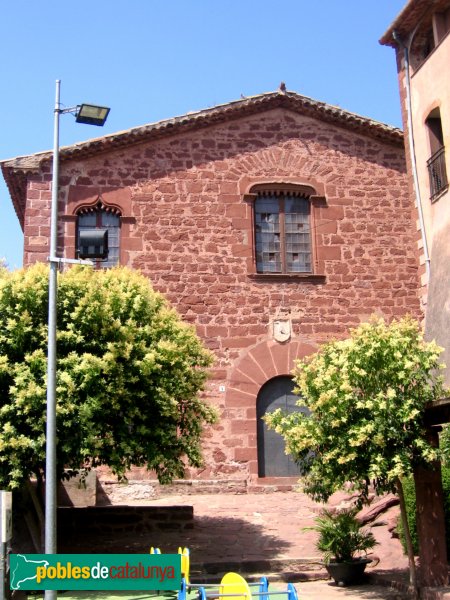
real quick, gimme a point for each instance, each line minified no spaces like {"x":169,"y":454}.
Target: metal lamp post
{"x":93,"y":115}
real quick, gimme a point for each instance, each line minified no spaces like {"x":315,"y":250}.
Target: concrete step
{"x":274,"y":569}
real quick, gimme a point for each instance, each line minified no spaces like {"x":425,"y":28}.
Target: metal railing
{"x":437,"y":173}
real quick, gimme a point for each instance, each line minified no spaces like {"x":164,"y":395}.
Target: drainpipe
{"x":412,"y":151}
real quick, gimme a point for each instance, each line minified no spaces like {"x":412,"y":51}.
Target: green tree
{"x":366,"y":396}
{"x":444,"y":443}
{"x":129,"y":374}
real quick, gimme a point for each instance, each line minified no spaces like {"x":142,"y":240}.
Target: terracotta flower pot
{"x":347,"y":573}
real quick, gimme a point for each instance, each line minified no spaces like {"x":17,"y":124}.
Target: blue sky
{"x":154,"y":59}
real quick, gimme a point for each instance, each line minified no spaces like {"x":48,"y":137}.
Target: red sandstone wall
{"x":188,"y":226}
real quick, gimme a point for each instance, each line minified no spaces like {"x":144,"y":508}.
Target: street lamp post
{"x":93,"y":115}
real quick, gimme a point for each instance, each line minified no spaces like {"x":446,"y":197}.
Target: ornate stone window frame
{"x":314,"y":194}
{"x":101,"y":210}
{"x":83,"y":199}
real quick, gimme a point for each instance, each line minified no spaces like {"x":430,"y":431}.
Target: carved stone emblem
{"x":282,"y":330}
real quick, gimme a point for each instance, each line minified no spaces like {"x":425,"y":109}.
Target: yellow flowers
{"x":129,"y":377}
{"x":345,"y":386}
{"x":367,"y":395}
{"x":346,"y":458}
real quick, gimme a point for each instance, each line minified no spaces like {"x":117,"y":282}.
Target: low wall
{"x":123,"y":519}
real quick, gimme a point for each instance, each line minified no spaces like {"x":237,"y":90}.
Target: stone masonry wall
{"x":187,"y":223}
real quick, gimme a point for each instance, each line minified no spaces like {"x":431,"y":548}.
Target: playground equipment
{"x":185,"y":566}
{"x":262,"y":585}
{"x":185,"y":562}
{"x":232,"y":585}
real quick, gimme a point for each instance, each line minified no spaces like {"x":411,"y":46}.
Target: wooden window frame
{"x":281,"y":196}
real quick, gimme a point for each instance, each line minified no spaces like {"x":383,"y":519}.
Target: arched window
{"x":436,"y":163}
{"x":102,"y":217}
{"x":434,"y":126}
{"x":272,"y":459}
{"x":282,"y":232}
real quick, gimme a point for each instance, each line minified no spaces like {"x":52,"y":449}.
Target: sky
{"x":155,"y":59}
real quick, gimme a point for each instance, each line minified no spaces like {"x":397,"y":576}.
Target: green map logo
{"x":95,"y":571}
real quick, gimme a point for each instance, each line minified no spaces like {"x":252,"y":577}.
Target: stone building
{"x":272,"y":223}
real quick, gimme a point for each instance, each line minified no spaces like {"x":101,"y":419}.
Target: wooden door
{"x":272,"y":460}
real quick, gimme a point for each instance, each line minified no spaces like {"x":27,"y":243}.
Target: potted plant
{"x":342,"y":540}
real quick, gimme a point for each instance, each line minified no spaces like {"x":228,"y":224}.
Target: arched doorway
{"x":272,"y":460}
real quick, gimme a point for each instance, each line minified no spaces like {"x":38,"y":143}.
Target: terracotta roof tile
{"x":210,"y":116}
{"x":412,"y":15}
{"x":14,"y":169}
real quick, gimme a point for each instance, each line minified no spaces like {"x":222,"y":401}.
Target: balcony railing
{"x":437,"y":173}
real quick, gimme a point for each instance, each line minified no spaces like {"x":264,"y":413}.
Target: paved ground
{"x":258,"y":527}
{"x":264,"y":534}
{"x":325,"y":590}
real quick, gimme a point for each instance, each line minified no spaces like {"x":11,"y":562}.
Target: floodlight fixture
{"x":93,"y":244}
{"x":91,"y":114}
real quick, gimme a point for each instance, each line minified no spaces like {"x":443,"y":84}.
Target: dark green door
{"x":272,"y":461}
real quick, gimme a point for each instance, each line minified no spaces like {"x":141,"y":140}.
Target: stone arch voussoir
{"x":267,"y":360}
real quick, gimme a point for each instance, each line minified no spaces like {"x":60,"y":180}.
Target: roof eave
{"x":238,"y":109}
{"x":15,"y":170}
{"x":410,"y":18}
{"x":16,"y":184}
{"x":387,"y":39}
{"x":218,"y":114}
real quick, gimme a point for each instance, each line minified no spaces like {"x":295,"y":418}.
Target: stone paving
{"x":263,"y":527}
{"x":325,"y":590}
{"x":263,"y":534}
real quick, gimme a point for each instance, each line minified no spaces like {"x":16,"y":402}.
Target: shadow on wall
{"x":210,"y":539}
{"x":437,"y":321}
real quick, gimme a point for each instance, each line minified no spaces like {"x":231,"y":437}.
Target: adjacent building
{"x":420,"y":36}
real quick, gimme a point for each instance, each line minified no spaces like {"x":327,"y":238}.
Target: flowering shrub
{"x":366,"y":396}
{"x":129,"y":373}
